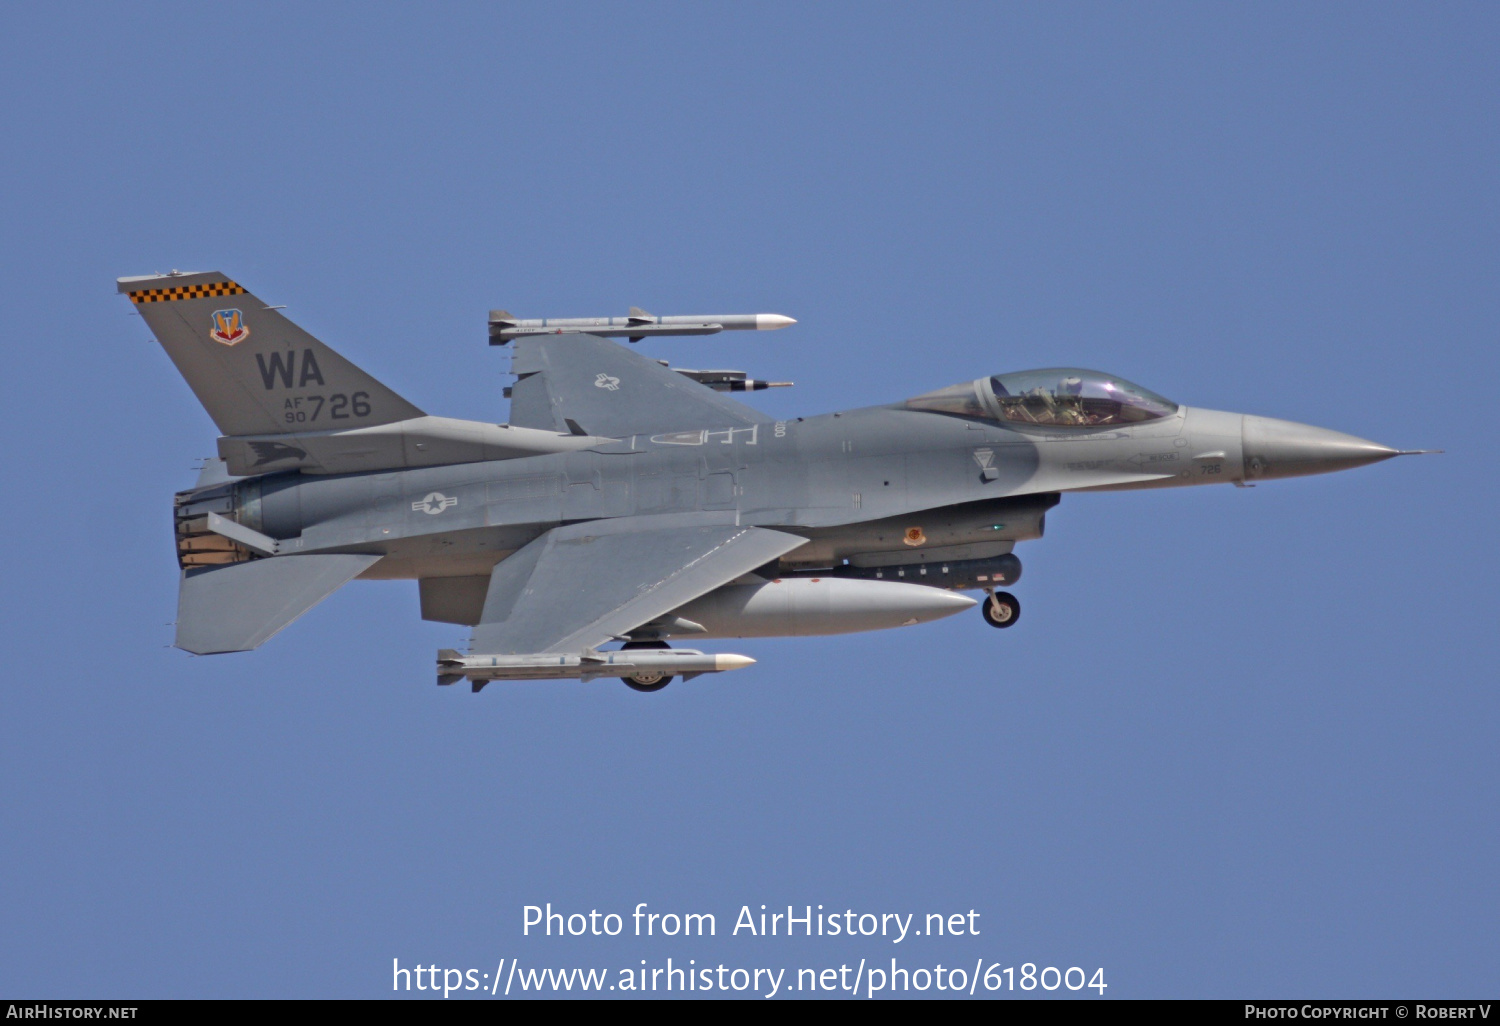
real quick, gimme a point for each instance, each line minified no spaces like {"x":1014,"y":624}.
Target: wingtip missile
{"x":638,"y":324}
{"x":726,"y":380}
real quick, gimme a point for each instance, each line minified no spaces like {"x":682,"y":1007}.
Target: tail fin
{"x":254,"y":371}
{"x":449,"y":659}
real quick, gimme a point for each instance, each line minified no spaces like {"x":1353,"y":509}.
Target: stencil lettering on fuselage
{"x":723,"y":436}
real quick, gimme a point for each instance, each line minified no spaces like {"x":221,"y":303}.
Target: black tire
{"x":642,"y":684}
{"x":647,"y":682}
{"x":1010,"y":609}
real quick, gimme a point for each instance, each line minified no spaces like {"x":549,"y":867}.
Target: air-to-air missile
{"x":639,"y":666}
{"x":638,"y":324}
{"x":726,"y":380}
{"x":629,"y":501}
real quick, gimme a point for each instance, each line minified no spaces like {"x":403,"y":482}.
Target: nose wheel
{"x":1000,"y":609}
{"x":651,"y":680}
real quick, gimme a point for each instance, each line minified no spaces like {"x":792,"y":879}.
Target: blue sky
{"x":1242,"y":742}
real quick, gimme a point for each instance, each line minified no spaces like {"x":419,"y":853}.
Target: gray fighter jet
{"x":630,"y":502}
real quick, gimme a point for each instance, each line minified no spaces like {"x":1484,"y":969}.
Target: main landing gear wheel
{"x":648,"y":682}
{"x":1000,"y":609}
{"x":652,"y":680}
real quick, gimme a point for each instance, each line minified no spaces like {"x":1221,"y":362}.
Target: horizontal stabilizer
{"x":238,"y":607}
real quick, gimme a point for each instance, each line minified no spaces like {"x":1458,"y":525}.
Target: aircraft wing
{"x":581,"y":585}
{"x":605,"y":389}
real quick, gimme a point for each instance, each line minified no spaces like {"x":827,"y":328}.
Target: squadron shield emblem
{"x":229,"y":327}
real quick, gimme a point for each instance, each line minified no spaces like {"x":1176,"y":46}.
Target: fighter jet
{"x":627,"y":503}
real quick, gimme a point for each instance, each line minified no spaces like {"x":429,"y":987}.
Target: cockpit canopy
{"x":1055,"y":397}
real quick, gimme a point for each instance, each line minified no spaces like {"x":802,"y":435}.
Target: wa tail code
{"x":284,"y":366}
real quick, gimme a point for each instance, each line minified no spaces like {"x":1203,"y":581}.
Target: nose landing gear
{"x":1000,"y":608}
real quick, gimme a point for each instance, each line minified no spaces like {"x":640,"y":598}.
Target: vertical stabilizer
{"x":254,"y":371}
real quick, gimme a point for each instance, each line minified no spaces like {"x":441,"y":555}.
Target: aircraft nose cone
{"x":1283,"y":448}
